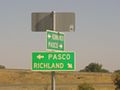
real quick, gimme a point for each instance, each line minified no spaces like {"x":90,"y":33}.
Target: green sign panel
{"x":53,"y":61}
{"x":55,"y":40}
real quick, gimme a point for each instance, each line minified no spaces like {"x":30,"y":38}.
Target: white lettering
{"x":58,"y":56}
{"x":55,"y":57}
{"x":53,"y":44}
{"x":49,"y":65}
{"x":68,"y":56}
{"x":49,"y":56}
{"x":57,"y":37}
{"x":35,"y":65}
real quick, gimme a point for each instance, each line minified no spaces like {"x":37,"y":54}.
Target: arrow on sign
{"x":69,"y":65}
{"x":40,"y":56}
{"x":49,"y":36}
{"x":60,"y":45}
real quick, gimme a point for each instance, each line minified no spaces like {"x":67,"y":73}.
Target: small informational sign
{"x":55,"y":40}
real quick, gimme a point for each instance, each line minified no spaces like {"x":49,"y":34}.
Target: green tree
{"x":94,"y":67}
{"x":2,"y":67}
{"x":116,"y":79}
{"x":86,"y":86}
{"x":117,"y":71}
{"x":104,"y":70}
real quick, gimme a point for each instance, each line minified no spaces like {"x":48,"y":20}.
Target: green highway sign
{"x":53,"y":61}
{"x":55,"y":40}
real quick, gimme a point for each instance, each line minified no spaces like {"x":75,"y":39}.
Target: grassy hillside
{"x":29,"y":80}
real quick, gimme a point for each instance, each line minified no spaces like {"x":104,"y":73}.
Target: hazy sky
{"x":96,"y":38}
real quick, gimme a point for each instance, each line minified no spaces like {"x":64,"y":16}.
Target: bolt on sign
{"x":55,"y":40}
{"x":53,"y":61}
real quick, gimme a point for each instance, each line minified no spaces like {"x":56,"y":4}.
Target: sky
{"x":96,"y":37}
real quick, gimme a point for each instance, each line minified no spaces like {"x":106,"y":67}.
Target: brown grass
{"x":28,"y":80}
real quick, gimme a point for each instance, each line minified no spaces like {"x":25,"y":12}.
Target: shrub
{"x":2,"y":67}
{"x":116,"y":80}
{"x":94,"y":67}
{"x":86,"y":86}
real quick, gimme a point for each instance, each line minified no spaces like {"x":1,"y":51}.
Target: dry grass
{"x":64,"y":80}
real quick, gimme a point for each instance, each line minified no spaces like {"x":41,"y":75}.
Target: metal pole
{"x":53,"y":72}
{"x":53,"y":80}
{"x":54,"y":21}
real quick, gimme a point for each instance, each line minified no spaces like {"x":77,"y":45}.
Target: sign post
{"x":53,"y":80}
{"x":53,"y":61}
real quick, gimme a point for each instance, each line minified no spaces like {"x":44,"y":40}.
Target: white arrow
{"x":49,"y":36}
{"x":69,"y":65}
{"x":40,"y":56}
{"x":60,"y":45}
